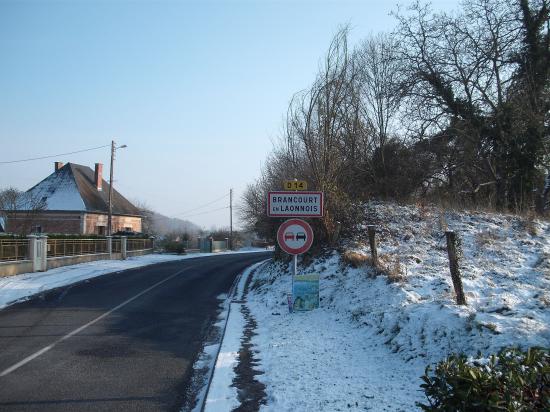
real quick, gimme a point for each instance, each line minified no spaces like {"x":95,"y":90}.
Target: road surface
{"x":123,"y":342}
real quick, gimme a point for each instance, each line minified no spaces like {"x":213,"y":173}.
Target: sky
{"x":197,"y":90}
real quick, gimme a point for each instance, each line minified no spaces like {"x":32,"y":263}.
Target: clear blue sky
{"x":197,"y":90}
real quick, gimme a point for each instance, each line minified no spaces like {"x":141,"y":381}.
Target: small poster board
{"x":306,"y":292}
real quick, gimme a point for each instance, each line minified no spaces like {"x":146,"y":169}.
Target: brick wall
{"x":70,"y":223}
{"x":22,"y":223}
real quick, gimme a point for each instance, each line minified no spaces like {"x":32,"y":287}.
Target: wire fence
{"x":14,"y":249}
{"x":116,"y":246}
{"x":75,"y":247}
{"x":18,"y":249}
{"x":139,"y":244}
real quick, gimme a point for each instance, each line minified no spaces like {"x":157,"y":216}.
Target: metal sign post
{"x":294,"y":273}
{"x":295,"y":236}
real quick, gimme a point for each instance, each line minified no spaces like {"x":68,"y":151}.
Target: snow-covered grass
{"x":505,"y":272}
{"x":368,"y":344}
{"x":20,"y":287}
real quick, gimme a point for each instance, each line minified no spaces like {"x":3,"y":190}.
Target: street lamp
{"x":110,"y":218}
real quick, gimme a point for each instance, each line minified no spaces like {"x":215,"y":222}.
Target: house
{"x":74,"y":199}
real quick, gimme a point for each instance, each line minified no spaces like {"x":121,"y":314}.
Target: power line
{"x":204,"y":213}
{"x":57,"y":155}
{"x":200,"y":207}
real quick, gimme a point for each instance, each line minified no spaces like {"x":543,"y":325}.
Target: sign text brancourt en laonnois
{"x":295,"y":204}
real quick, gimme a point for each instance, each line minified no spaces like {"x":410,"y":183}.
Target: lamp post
{"x":110,"y":218}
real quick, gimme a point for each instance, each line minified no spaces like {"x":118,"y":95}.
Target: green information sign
{"x":306,"y":292}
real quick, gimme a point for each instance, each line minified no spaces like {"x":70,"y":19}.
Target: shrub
{"x":511,"y":381}
{"x":356,"y":259}
{"x":174,"y":247}
{"x":393,"y":269}
{"x":73,"y":236}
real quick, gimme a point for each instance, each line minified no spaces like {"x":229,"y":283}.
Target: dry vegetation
{"x":356,"y":259}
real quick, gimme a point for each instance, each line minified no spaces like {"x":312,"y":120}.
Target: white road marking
{"x":81,"y":328}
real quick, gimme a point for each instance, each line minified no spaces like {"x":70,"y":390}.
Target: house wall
{"x":94,"y":220}
{"x":69,"y":223}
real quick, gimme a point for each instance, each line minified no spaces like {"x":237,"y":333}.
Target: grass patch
{"x":356,"y":259}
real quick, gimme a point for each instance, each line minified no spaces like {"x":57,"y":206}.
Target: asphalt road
{"x":124,"y":342}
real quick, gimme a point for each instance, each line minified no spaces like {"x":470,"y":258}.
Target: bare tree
{"x":148,"y":217}
{"x":20,"y":210}
{"x":460,"y":77}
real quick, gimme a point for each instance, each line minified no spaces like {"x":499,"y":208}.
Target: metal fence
{"x":219,"y":245}
{"x":14,"y":249}
{"x":139,"y":244}
{"x":18,"y":249}
{"x":115,"y":246}
{"x":75,"y":247}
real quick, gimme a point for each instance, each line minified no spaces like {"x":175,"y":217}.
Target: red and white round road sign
{"x":295,"y":236}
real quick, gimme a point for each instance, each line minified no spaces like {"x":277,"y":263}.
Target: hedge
{"x":512,"y":381}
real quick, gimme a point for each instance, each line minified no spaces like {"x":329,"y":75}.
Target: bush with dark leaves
{"x":512,"y":381}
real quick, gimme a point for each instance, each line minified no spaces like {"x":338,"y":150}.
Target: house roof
{"x":72,"y":188}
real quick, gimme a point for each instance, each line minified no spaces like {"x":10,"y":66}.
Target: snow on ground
{"x":323,"y":360}
{"x":505,"y":272}
{"x":222,"y":396}
{"x":369,"y":343}
{"x":20,"y":287}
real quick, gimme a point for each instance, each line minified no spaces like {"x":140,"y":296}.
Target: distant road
{"x":123,"y":342}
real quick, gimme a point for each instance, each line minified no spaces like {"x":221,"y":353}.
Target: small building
{"x":74,"y":199}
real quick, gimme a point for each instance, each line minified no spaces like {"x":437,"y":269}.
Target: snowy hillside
{"x":368,"y":344}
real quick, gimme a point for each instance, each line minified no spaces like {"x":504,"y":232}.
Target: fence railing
{"x":19,"y":249}
{"x":14,"y":249}
{"x":116,"y":246}
{"x":139,"y":244}
{"x":75,"y":247}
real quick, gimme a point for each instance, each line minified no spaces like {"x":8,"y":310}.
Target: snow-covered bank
{"x":19,"y":287}
{"x":368,"y":344}
{"x":222,"y":395}
{"x":505,"y":272}
{"x":324,"y":360}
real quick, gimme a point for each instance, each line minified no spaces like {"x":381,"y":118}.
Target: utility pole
{"x":231,"y":219}
{"x":110,"y":218}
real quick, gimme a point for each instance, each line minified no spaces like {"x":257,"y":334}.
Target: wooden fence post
{"x":454,"y":267}
{"x":373,"y":247}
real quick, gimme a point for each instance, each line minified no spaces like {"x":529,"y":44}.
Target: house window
{"x":36,"y":229}
{"x":101,"y":230}
{"x":127,"y":229}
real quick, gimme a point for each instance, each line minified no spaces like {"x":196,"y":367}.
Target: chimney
{"x":58,"y":165}
{"x":98,"y":176}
